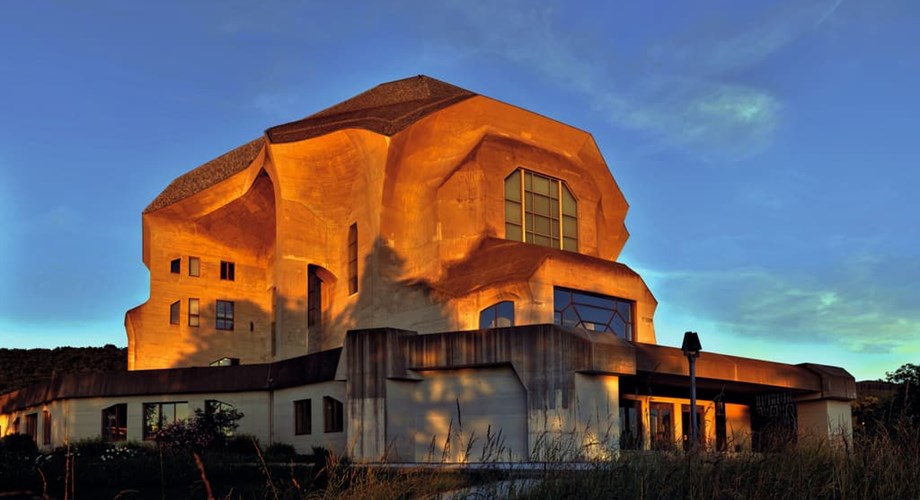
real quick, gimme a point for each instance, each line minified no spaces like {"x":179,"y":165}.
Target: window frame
{"x":227,"y":270}
{"x":527,"y":208}
{"x":150,"y":434}
{"x":303,"y":417}
{"x":32,"y":426}
{"x":120,"y":432}
{"x":333,"y":415}
{"x":224,"y":315}
{"x":175,"y":312}
{"x":194,"y":312}
{"x":175,"y":266}
{"x":353,"y":259}
{"x":495,"y":312}
{"x":582,"y":306}
{"x":194,"y":267}
{"x":46,"y":427}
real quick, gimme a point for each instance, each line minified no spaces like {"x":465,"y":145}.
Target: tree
{"x":906,"y":402}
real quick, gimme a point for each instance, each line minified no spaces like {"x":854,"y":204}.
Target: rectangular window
{"x":303,"y":417}
{"x":224,"y":315}
{"x":194,"y":266}
{"x":32,"y":426}
{"x":46,"y":427}
{"x":174,"y":313}
{"x":194,"y":319}
{"x":175,"y":266}
{"x":115,"y":422}
{"x":159,"y":415}
{"x":333,"y":418}
{"x":227,"y":271}
{"x":353,"y":259}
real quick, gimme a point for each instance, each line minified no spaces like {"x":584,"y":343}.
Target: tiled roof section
{"x":498,"y":261}
{"x":385,"y":109}
{"x":207,"y":175}
{"x":303,"y":370}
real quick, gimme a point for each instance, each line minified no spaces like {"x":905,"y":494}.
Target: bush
{"x":205,"y":430}
{"x":280,"y":452}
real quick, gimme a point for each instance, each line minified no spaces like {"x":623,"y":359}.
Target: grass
{"x":886,"y":465}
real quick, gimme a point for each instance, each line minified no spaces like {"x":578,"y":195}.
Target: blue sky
{"x":768,"y":150}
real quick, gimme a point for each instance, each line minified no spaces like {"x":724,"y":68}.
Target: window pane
{"x":540,"y":205}
{"x":569,"y":227}
{"x":571,"y":244}
{"x":541,"y":225}
{"x":569,"y":205}
{"x":593,"y":312}
{"x":513,"y":186}
{"x":175,"y":266}
{"x":513,"y":232}
{"x":541,"y":185}
{"x":513,"y":212}
{"x":194,"y":266}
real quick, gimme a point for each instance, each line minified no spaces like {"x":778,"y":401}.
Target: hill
{"x":22,"y":367}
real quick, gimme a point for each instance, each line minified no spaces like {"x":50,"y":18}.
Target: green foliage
{"x":23,"y":367}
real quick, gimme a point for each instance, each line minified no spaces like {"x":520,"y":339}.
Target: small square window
{"x":227,"y":271}
{"x":175,"y":266}
{"x":224,"y":315}
{"x":174,"y":313}
{"x":194,"y":266}
{"x":193,"y":316}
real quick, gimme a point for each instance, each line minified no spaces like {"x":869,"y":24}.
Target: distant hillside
{"x":22,"y":367}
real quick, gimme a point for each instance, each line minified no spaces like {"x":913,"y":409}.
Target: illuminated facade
{"x":425,"y":248}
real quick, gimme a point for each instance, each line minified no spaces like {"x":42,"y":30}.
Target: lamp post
{"x":691,"y":348}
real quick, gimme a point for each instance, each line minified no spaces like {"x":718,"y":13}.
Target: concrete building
{"x":432,"y":275}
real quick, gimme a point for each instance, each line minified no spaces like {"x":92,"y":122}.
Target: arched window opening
{"x":497,"y":315}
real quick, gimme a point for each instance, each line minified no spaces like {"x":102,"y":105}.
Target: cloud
{"x":861,"y":305}
{"x":682,"y":91}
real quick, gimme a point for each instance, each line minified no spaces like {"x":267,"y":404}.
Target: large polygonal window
{"x":540,"y":209}
{"x":595,"y":312}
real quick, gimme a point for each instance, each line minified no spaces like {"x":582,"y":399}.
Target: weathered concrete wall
{"x":824,"y":420}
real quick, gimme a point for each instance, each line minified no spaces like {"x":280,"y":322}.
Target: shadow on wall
{"x":384,"y":299}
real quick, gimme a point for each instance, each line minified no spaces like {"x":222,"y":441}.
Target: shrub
{"x":205,"y":430}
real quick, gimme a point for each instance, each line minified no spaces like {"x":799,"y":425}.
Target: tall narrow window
{"x":540,"y":210}
{"x":174,"y":313}
{"x":194,"y":266}
{"x":32,"y":426}
{"x":497,"y":315}
{"x":115,"y":422}
{"x":227,"y":271}
{"x":353,"y":259}
{"x":175,"y":266}
{"x":333,"y":418}
{"x":314,"y":297}
{"x":194,"y":319}
{"x":46,"y":427}
{"x":224,"y":315}
{"x":303,"y":418}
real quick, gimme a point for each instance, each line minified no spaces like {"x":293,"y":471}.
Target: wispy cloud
{"x":859,"y":305}
{"x":681,"y":90}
